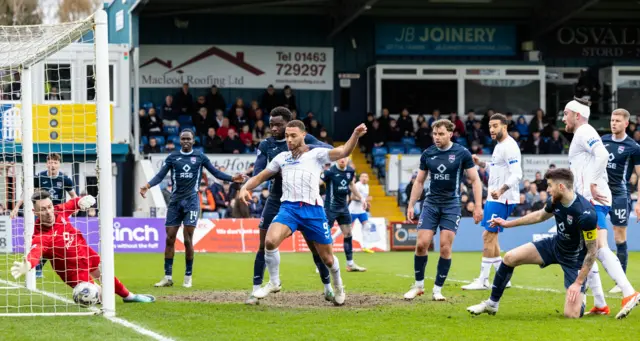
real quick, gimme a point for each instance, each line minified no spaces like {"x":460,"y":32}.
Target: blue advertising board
{"x":446,"y":40}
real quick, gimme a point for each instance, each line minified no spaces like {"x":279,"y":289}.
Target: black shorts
{"x":620,"y":210}
{"x":271,"y":208}
{"x":570,"y":264}
{"x":342,"y":217}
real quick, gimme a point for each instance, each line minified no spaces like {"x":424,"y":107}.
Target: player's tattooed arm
{"x":591,"y":243}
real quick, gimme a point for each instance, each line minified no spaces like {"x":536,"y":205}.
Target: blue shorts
{"x":601,"y":213}
{"x":271,"y":208}
{"x":309,"y":219}
{"x":343,"y":218}
{"x":362,"y":217}
{"x":184,"y":212}
{"x":494,"y":209}
{"x":570,"y":264}
{"x":620,"y":210}
{"x":447,"y":218}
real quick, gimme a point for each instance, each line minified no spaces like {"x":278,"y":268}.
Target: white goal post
{"x":49,"y":118}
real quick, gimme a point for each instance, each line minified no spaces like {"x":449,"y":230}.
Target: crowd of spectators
{"x":220,"y":128}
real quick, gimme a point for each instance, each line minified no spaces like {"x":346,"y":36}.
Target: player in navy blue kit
{"x":624,"y":158}
{"x":444,"y":162}
{"x":574,"y":247}
{"x":185,"y":166}
{"x":267,"y":151}
{"x":56,"y":183}
{"x":340,"y":182}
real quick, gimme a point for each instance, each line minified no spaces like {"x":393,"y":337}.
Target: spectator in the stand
{"x":524,"y":186}
{"x":537,"y":122}
{"x":212,"y":143}
{"x":419,"y":119}
{"x":294,"y":114}
{"x":555,"y":144}
{"x":405,"y":123}
{"x":471,"y":119}
{"x":307,"y":120}
{"x":636,"y":136}
{"x":215,"y":101}
{"x":631,"y":128}
{"x":459,"y":129}
{"x":516,"y":136}
{"x":477,"y":134}
{"x":538,"y":205}
{"x":169,"y":147}
{"x":315,"y":128}
{"x":324,"y":137}
{"x":395,"y":135}
{"x":224,"y":129}
{"x":264,"y":195}
{"x":532,"y":195}
{"x":222,"y":195}
{"x":522,"y":126}
{"x":259,"y":113}
{"x":169,"y":113}
{"x":253,"y":108}
{"x":53,"y":95}
{"x":289,"y":99}
{"x":207,"y":202}
{"x":255,"y":207}
{"x":522,"y":208}
{"x":424,"y":139}
{"x":269,"y":99}
{"x":246,"y":136}
{"x":476,"y":148}
{"x":144,"y":122}
{"x":377,"y":136}
{"x":184,"y":100}
{"x":435,"y":115}
{"x":202,"y":122}
{"x":485,"y":121}
{"x":535,"y":144}
{"x":259,"y":132}
{"x":540,"y":182}
{"x":468,"y":209}
{"x":201,"y":102}
{"x":241,"y":118}
{"x":365,"y":140}
{"x":232,"y":111}
{"x":152,"y":147}
{"x":166,"y":192}
{"x":511,"y":125}
{"x":155,"y":124}
{"x":219,"y":119}
{"x":232,"y":144}
{"x":384,"y":120}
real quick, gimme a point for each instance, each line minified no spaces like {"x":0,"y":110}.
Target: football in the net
{"x":86,"y":294}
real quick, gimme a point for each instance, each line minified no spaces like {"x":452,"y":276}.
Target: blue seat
{"x":379,"y":151}
{"x":185,"y":120}
{"x":409,"y":141}
{"x":395,"y":144}
{"x":414,"y":150}
{"x":183,"y":127}
{"x":462,"y":141}
{"x":486,"y":151}
{"x":198,"y":149}
{"x":160,"y":139}
{"x":487,"y":141}
{"x":147,"y":105}
{"x":175,"y":139}
{"x":169,"y":130}
{"x":379,"y":161}
{"x":197,"y":139}
{"x":144,"y":140}
{"x":396,"y":150}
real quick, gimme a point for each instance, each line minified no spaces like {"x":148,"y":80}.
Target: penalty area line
{"x":117,"y":320}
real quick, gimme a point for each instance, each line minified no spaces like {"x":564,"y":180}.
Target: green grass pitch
{"x":214,"y":308}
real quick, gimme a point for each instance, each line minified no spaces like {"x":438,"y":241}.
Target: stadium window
{"x":10,"y":85}
{"x":91,"y":85}
{"x":57,"y":82}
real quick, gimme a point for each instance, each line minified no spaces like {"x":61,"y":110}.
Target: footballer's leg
{"x":364,"y":221}
{"x":120,"y":289}
{"x":620,"y":210}
{"x":449,"y":221}
{"x":427,"y":226}
{"x":344,"y":219}
{"x":269,"y":212}
{"x":576,"y":308}
{"x":175,"y":216}
{"x":325,"y":251}
{"x":39,"y":268}
{"x":325,"y":276}
{"x":187,"y":233}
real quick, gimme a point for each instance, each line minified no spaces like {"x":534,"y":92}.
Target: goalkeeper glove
{"x":86,"y":202}
{"x":20,"y":268}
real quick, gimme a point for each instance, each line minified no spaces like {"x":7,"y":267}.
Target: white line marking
{"x":138,"y":329}
{"x":555,"y":291}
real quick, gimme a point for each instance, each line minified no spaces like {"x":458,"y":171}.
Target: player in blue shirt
{"x":574,"y":247}
{"x":56,"y":183}
{"x":340,"y":183}
{"x":624,"y":158}
{"x":444,"y":162}
{"x":267,"y":151}
{"x":185,"y":166}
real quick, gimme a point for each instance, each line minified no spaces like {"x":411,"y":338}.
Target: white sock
{"x":496,"y":262}
{"x":612,"y":266}
{"x":437,"y":289}
{"x":255,"y":287}
{"x":335,"y":272}
{"x":327,"y":287}
{"x":272,"y":258}
{"x":169,"y":277}
{"x":492,"y":303}
{"x":593,"y":281}
{"x":420,"y":284}
{"x":350,"y":262}
{"x":485,"y":268}
{"x":130,"y":296}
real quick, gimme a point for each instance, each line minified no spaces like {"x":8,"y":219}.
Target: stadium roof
{"x":541,"y":15}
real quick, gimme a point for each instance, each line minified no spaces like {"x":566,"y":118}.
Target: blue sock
{"x":168,"y":266}
{"x":348,"y":248}
{"x":419,"y":264}
{"x":325,"y":277}
{"x":623,"y":255}
{"x":189,"y":267}
{"x":40,"y":265}
{"x":258,"y":268}
{"x":503,"y":275}
{"x":443,"y":270}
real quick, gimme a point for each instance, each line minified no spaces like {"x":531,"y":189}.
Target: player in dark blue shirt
{"x":268,"y":149}
{"x":574,"y":247}
{"x":340,"y":182}
{"x":185,"y":166}
{"x":444,"y":162}
{"x":624,"y":158}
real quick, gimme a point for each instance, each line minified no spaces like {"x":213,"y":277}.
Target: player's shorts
{"x":184,"y":212}
{"x":308,"y":219}
{"x":494,"y":209}
{"x":601,"y":213}
{"x":362,"y":217}
{"x":447,"y":218}
{"x":343,"y":218}
{"x":548,"y":250}
{"x":620,"y":210}
{"x":271,"y":208}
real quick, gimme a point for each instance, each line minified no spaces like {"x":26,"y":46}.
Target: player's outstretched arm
{"x":219,"y":174}
{"x":251,"y":184}
{"x":166,"y":166}
{"x":530,"y":219}
{"x":416,"y":192}
{"x":347,"y":148}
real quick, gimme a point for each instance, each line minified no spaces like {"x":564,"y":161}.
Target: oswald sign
{"x":445,"y":40}
{"x":595,"y":41}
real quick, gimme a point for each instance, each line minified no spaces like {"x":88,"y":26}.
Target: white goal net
{"x":56,"y":137}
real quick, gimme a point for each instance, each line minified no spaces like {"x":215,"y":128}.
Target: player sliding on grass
{"x":444,"y":162}
{"x":301,"y":207}
{"x":184,"y":206}
{"x":575,"y":221}
{"x":57,"y":240}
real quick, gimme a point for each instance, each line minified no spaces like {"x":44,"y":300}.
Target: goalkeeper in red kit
{"x":57,"y":240}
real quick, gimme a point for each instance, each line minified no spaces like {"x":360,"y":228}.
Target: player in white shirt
{"x":505,"y":174}
{"x":302,"y":206}
{"x":588,"y":159}
{"x":358,"y":208}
